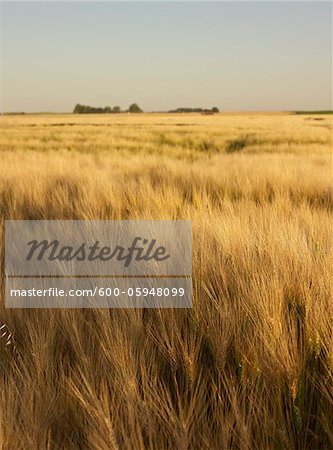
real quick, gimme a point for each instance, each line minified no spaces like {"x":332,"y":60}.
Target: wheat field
{"x":250,"y":366}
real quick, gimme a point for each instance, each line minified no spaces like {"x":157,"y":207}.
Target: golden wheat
{"x":251,"y":365}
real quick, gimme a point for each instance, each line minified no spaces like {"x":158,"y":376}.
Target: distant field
{"x":178,"y":136}
{"x":251,"y":365}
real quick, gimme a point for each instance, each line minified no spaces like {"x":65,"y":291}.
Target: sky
{"x":163,"y":55}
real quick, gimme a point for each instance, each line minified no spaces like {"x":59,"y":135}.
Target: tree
{"x":116,"y":109}
{"x":134,"y":108}
{"x":77,"y":109}
{"x":215,"y":109}
{"x":86,"y":109}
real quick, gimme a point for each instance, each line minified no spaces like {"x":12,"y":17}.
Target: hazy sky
{"x":234,"y":55}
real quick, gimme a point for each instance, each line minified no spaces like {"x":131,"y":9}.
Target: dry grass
{"x":251,"y":365}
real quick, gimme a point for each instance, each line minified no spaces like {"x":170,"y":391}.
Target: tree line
{"x":195,"y":110}
{"x":86,"y":109}
{"x":135,"y":108}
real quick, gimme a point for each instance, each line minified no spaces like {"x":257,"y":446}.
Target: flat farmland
{"x":250,"y":366}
